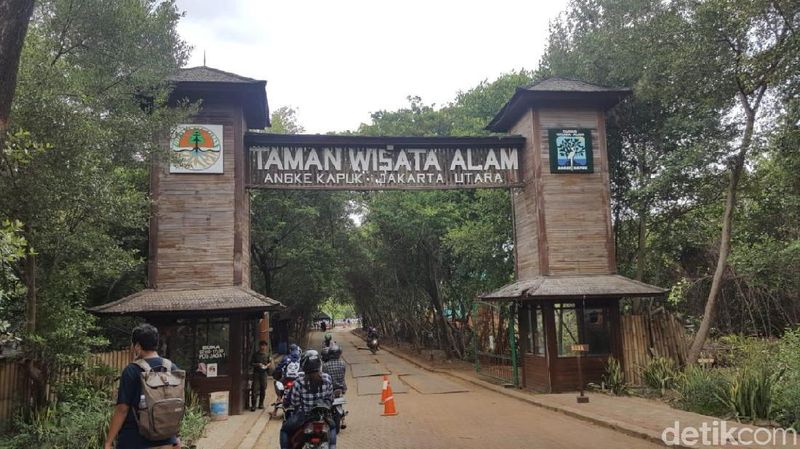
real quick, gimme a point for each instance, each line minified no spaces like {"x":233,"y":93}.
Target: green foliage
{"x":298,"y":245}
{"x":614,"y":377}
{"x":194,"y":421}
{"x":661,"y":374}
{"x":89,"y":381}
{"x":80,"y":417}
{"x":670,"y":143}
{"x":698,"y":389}
{"x":12,"y":249}
{"x":92,"y":92}
{"x":742,"y":351}
{"x":749,"y":393}
{"x":787,"y":393}
{"x":66,"y":425}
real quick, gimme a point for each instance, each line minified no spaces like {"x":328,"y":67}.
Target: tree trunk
{"x":641,"y":255}
{"x":14,"y":18}
{"x":31,"y":300}
{"x":725,"y":238}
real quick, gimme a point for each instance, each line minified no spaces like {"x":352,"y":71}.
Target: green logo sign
{"x":571,"y":150}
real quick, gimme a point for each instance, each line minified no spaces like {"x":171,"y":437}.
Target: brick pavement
{"x":478,"y":418}
{"x":474,"y":419}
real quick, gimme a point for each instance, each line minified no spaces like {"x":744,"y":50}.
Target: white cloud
{"x":337,"y":61}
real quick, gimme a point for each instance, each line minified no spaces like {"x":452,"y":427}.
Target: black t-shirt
{"x":130,"y":390}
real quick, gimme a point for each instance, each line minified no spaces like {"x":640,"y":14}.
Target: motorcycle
{"x":338,"y":410}
{"x":314,"y":433}
{"x":281,"y":388}
{"x":372,"y":344}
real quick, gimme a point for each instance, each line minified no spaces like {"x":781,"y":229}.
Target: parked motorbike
{"x":339,"y":412}
{"x":314,"y":433}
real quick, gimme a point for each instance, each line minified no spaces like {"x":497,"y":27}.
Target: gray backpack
{"x":161,"y":405}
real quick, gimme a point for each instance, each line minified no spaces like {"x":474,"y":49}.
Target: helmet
{"x":334,"y":351}
{"x":326,"y":353}
{"x":311,"y":361}
{"x":328,"y":337}
{"x":293,"y":370}
{"x":293,"y":347}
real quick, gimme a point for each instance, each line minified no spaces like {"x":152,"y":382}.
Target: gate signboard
{"x":381,"y":163}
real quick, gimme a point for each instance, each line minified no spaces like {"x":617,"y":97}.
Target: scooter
{"x":314,"y":433}
{"x":338,"y":409}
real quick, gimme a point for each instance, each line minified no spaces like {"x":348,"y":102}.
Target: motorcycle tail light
{"x":319,"y":427}
{"x":289,"y":384}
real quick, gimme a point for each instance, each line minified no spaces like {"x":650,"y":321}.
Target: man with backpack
{"x":150,"y":400}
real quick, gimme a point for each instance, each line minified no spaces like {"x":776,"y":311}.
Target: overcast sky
{"x":338,"y":61}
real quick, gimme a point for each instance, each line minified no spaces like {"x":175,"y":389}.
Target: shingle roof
{"x":555,"y":92}
{"x":575,"y":286}
{"x":199,"y":82}
{"x":204,"y":74}
{"x":558,"y":84}
{"x":218,"y":299}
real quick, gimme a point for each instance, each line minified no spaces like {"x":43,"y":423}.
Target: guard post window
{"x":535,"y":326}
{"x":578,"y":325}
{"x":201,"y":346}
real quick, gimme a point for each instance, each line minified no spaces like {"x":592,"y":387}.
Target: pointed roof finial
{"x":204,"y":58}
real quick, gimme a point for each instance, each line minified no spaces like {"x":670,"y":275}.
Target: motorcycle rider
{"x":335,"y":367}
{"x":372,"y":333}
{"x":293,"y":356}
{"x":328,"y":339}
{"x":310,"y":388}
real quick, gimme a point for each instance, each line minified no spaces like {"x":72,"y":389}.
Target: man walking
{"x":123,"y":427}
{"x":260,"y":362}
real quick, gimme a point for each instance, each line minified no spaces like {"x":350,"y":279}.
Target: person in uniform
{"x":261,"y":362}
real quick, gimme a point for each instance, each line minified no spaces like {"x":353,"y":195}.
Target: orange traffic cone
{"x":385,"y":389}
{"x":388,"y":405}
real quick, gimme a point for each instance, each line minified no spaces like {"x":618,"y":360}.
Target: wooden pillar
{"x":238,"y":379}
{"x":551,"y":354}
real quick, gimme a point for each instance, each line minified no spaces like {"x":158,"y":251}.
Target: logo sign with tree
{"x":571,"y":151}
{"x":197,"y":149}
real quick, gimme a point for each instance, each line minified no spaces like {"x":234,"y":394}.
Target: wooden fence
{"x":14,"y":387}
{"x":645,"y":337}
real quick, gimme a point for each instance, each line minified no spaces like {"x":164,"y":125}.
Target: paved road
{"x":472,"y":418}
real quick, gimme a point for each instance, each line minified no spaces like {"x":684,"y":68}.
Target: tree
{"x":14,"y":18}
{"x":754,"y":45}
{"x":420,"y":258}
{"x":297,"y":240}
{"x":75,"y":172}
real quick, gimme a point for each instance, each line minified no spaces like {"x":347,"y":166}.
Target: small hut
{"x":555,"y":313}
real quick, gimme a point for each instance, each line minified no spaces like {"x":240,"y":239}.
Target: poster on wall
{"x":571,"y":150}
{"x":196,"y":149}
{"x":211,"y":370}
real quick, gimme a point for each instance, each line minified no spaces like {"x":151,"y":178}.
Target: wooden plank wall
{"x":576,"y":206}
{"x":645,"y":337}
{"x":12,"y":387}
{"x":198,"y":214}
{"x":526,"y":235}
{"x":562,"y":222}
